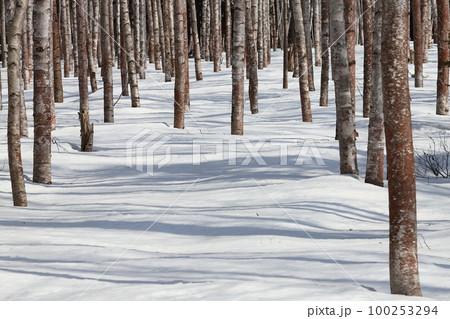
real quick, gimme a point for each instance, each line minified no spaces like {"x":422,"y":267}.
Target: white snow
{"x":226,"y":228}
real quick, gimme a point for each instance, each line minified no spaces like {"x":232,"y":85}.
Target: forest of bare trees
{"x":45,"y":41}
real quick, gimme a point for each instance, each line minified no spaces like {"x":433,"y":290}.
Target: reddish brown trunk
{"x":403,"y":259}
{"x":418,"y":43}
{"x":443,"y":58}
{"x":324,"y":79}
{"x":180,"y":68}
{"x":368,"y":55}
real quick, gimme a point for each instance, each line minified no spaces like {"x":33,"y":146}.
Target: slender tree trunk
{"x":180,"y":65}
{"x":238,"y":64}
{"x":426,"y":27}
{"x":42,"y":171}
{"x":350,"y":29}
{"x":3,"y":38}
{"x":260,"y":36}
{"x":418,"y":46}
{"x":168,"y":51}
{"x":156,"y":35}
{"x":286,"y":44}
{"x":107,"y":64}
{"x":403,"y":259}
{"x":74,"y":38}
{"x":303,"y":59}
{"x":87,"y":129}
{"x":308,"y":41}
{"x":341,"y":76}
{"x":14,"y":78}
{"x":90,"y":48}
{"x":143,"y":39}
{"x":317,"y":32}
{"x":252,"y":53}
{"x":26,"y":59}
{"x":206,"y":29}
{"x":216,"y":35}
{"x":443,"y":58}
{"x":150,"y":32}
{"x":368,"y":54}
{"x":123,"y":62}
{"x":324,"y":79}
{"x":227,"y":32}
{"x":375,"y":146}
{"x":65,"y":29}
{"x":129,"y":46}
{"x":162,"y":38}
{"x":57,"y":74}
{"x":195,"y":38}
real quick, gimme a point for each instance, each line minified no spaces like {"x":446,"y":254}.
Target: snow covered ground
{"x":201,"y":215}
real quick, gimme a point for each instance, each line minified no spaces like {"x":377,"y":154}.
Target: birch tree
{"x":303,"y":59}
{"x":325,"y":40}
{"x":14,"y":78}
{"x":403,"y":259}
{"x":129,"y":46}
{"x":252,"y":54}
{"x":375,"y":146}
{"x":368,"y":55}
{"x":237,"y":62}
{"x":180,"y":64}
{"x":42,"y":17}
{"x":107,"y":63}
{"x":87,"y":129}
{"x":443,"y":58}
{"x":341,"y":75}
{"x":418,"y":46}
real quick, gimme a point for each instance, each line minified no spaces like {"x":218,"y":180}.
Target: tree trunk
{"x":129,"y":46}
{"x":227,"y":31}
{"x":195,"y":38}
{"x":107,"y":64}
{"x":252,"y":53}
{"x":14,"y":78}
{"x":418,"y":46}
{"x":156,"y":35}
{"x":217,"y":57}
{"x":403,"y":259}
{"x":306,"y":8}
{"x":180,"y":65}
{"x":341,"y":76}
{"x":285,"y":44}
{"x":3,"y":37}
{"x":350,"y":31}
{"x":443,"y":58}
{"x":65,"y":29}
{"x":58,"y":85}
{"x":426,"y":27}
{"x":75,"y":37}
{"x":168,"y":51}
{"x":123,"y":62}
{"x":162,"y":41}
{"x":87,"y":129}
{"x":303,"y":59}
{"x":150,"y":32}
{"x":325,"y":78}
{"x":375,"y":146}
{"x":368,"y":54}
{"x":206,"y":29}
{"x":238,"y":97}
{"x":317,"y":32}
{"x":42,"y":17}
